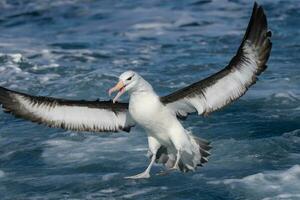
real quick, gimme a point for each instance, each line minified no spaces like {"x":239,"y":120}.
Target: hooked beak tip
{"x":119,"y":87}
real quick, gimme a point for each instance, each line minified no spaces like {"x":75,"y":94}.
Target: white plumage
{"x":74,"y":117}
{"x":162,"y":127}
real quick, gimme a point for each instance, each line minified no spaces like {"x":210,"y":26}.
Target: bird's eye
{"x":129,"y":78}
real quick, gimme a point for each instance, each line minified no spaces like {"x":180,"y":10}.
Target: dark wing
{"x":233,"y":81}
{"x":95,"y":116}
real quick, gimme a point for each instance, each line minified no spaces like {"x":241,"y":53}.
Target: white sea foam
{"x":293,"y":134}
{"x":283,"y":196}
{"x":184,"y":19}
{"x":110,"y":176}
{"x":2,"y":174}
{"x":148,"y":29}
{"x":89,"y":150}
{"x":11,"y":69}
{"x":47,"y":77}
{"x":43,"y":67}
{"x":288,"y":95}
{"x":135,"y":194}
{"x":151,"y":25}
{"x":108,"y":190}
{"x":103,"y":193}
{"x":15,"y":57}
{"x":270,"y":184}
{"x":255,"y":151}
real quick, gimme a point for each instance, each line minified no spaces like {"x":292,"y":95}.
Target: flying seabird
{"x":169,"y":142}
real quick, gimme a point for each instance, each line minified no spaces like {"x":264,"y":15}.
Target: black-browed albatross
{"x":169,"y":142}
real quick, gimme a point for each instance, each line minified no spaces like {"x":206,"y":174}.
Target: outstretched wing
{"x":233,"y":81}
{"x":95,"y":116}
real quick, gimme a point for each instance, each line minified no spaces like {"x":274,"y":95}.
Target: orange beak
{"x":120,"y":86}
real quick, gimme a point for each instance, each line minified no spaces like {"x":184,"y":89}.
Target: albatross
{"x":160,"y":116}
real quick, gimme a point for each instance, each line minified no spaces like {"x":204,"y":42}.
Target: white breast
{"x":147,"y":110}
{"x":144,"y":108}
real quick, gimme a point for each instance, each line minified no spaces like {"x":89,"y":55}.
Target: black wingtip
{"x":255,"y":5}
{"x":3,"y":94}
{"x":258,"y":36}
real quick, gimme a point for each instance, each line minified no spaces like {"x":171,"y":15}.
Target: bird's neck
{"x":141,"y":87}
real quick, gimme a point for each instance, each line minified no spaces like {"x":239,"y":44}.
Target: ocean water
{"x":76,"y":49}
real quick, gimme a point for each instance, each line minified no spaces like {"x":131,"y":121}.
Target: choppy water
{"x":76,"y":49}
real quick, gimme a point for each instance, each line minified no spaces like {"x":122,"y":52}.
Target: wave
{"x":138,"y":193}
{"x":270,"y":184}
{"x":91,"y":150}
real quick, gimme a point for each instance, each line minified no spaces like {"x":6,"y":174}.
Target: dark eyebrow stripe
{"x":130,"y":77}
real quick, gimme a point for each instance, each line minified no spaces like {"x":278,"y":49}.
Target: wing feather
{"x":233,"y":81}
{"x":95,"y":116}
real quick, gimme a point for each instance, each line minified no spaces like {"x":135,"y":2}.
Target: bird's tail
{"x":204,"y":147}
{"x":197,"y":155}
{"x":200,"y":153}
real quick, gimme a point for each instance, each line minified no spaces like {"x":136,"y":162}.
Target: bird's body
{"x":161,"y":125}
{"x":169,"y":142}
{"x":147,"y":111}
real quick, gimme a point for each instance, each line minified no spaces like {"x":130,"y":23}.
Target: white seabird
{"x":169,"y":142}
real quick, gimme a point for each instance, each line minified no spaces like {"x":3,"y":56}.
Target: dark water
{"x":76,"y":49}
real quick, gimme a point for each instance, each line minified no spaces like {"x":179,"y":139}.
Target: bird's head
{"x":127,"y":82}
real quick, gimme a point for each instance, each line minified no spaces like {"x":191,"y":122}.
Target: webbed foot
{"x":139,"y":176}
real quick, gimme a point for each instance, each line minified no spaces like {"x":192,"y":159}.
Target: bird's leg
{"x":177,"y":160}
{"x":154,"y":145}
{"x":146,"y":173}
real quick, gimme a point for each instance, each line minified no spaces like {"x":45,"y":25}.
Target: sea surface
{"x":76,"y":49}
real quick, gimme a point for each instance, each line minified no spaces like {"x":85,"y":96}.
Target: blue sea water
{"x":76,"y":49}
